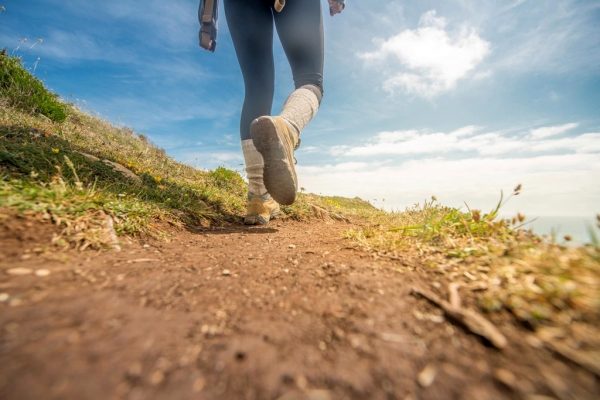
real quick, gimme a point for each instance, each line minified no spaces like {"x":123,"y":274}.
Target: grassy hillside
{"x":83,"y":173}
{"x":95,"y":181}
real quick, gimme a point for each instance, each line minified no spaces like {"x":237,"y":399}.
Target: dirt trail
{"x":291,"y":311}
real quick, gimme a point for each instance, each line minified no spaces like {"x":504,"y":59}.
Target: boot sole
{"x":279,"y":174}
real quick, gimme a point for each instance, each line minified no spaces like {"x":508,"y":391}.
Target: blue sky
{"x":453,"y":98}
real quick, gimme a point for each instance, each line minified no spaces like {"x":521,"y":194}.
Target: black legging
{"x":300,"y":29}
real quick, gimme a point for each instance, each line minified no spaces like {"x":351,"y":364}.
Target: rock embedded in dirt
{"x":199,"y":384}
{"x":42,"y":273}
{"x":505,"y":377}
{"x":316,"y":394}
{"x":4,"y":297}
{"x":157,"y":378}
{"x":19,"y":271}
{"x":226,"y":272}
{"x":427,"y":376}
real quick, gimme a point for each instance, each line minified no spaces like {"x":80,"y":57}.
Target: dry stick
{"x":575,"y":357}
{"x":454,"y":297}
{"x":473,"y":321}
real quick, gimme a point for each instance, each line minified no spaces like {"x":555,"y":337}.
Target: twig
{"x":453,"y":295}
{"x":578,"y":358}
{"x":471,"y":320}
{"x":141,"y":260}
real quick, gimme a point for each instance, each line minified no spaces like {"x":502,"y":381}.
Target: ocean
{"x":578,"y":228}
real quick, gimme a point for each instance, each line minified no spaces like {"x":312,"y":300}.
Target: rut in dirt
{"x":292,"y":311}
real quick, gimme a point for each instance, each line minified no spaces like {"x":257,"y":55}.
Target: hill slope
{"x":132,"y":271}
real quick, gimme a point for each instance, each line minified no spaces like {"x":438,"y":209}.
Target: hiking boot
{"x":261,"y":209}
{"x":275,"y":139}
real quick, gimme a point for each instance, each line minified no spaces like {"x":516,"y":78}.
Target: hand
{"x":336,"y":7}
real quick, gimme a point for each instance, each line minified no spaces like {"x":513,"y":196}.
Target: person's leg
{"x":300,"y":28}
{"x":251,"y":25}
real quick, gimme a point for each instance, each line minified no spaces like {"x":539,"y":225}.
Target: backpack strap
{"x":208,"y":15}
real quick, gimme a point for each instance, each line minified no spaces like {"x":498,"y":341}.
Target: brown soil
{"x":291,"y":311}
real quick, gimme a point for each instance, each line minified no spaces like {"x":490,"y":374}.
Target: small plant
{"x":20,"y":89}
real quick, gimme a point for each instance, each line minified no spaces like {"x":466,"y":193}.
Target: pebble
{"x":157,"y":378}
{"x":292,"y":246}
{"x":427,"y":376}
{"x":505,"y":377}
{"x":226,"y":272}
{"x":42,"y":272}
{"x":19,"y":271}
{"x":4,"y":297}
{"x":199,"y":384}
{"x":15,"y":302}
{"x":314,"y":394}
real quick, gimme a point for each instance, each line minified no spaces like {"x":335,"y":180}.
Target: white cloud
{"x":554,"y":184}
{"x":429,"y":60}
{"x":547,"y":131}
{"x":471,"y":140}
{"x":468,"y":164}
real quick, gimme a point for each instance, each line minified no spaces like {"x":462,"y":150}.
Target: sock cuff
{"x":317,"y":91}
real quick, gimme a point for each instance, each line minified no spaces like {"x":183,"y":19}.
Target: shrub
{"x":20,"y":89}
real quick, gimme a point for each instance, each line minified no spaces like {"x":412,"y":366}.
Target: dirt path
{"x":242,"y":313}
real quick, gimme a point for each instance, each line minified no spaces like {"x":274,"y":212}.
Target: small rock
{"x":4,"y":297}
{"x":19,"y":271}
{"x":134,"y":371}
{"x":199,"y":384}
{"x":318,"y":395}
{"x":505,"y":377}
{"x":226,"y":272}
{"x":301,"y":382}
{"x":15,"y":302}
{"x":292,"y":246}
{"x":306,"y":395}
{"x":123,"y":170}
{"x":157,"y":378}
{"x":42,"y":272}
{"x":427,"y":376}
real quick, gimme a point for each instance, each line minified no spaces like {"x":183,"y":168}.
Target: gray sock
{"x":254,"y":168}
{"x":301,"y":106}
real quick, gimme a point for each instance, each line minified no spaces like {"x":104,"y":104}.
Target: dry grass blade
{"x":471,"y":320}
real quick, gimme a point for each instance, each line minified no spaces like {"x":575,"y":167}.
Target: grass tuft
{"x":20,"y":89}
{"x":505,"y":266}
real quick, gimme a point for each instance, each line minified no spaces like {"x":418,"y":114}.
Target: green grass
{"x":61,"y":171}
{"x":20,"y":89}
